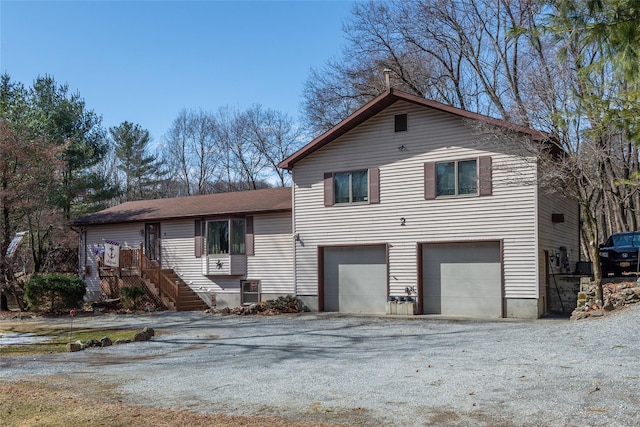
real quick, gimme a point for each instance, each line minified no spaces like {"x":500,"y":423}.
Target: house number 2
{"x":403,"y":221}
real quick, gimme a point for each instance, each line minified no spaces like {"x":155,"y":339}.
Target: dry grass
{"x":61,"y":403}
{"x":59,"y":337}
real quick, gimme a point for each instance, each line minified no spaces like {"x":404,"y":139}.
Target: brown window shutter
{"x":248,"y":239}
{"x":198,"y":238}
{"x":429,"y":181}
{"x":485,"y":184}
{"x":374,"y":185}
{"x":328,"y":189}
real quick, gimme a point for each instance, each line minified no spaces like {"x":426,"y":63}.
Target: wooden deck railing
{"x":134,"y":261}
{"x":130,"y":258}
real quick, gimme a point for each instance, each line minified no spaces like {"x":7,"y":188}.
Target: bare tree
{"x":274,"y":136}
{"x":107,"y":171}
{"x":30,"y":172}
{"x":463,"y":54}
{"x":228,"y":151}
{"x":192,"y":151}
{"x":243,"y":161}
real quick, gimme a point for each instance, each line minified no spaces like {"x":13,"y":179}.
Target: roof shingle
{"x":239,"y":202}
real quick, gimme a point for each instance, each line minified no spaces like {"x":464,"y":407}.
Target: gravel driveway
{"x":369,"y":370}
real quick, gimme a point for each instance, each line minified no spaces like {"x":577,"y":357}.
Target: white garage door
{"x":355,"y":279}
{"x":462,"y":279}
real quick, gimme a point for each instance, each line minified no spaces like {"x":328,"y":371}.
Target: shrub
{"x":55,"y":290}
{"x":131,"y":296}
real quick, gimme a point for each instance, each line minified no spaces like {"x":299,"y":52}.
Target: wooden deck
{"x":164,"y":288}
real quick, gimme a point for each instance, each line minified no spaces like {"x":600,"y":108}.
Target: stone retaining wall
{"x":616,"y":294}
{"x":563,"y":291}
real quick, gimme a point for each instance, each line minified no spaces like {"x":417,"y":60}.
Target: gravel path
{"x":369,"y":370}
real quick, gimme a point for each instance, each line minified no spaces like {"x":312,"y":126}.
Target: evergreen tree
{"x":62,"y":119}
{"x":140,"y":169}
{"x":31,"y":170}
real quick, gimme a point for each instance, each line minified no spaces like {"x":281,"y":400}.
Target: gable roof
{"x":385,"y":100}
{"x":234,"y":203}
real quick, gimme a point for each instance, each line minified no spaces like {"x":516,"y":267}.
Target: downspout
{"x":536,"y":232}
{"x":294,"y":233}
{"x":83,"y":236}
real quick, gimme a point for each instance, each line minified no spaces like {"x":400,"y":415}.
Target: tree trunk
{"x":594,"y":250}
{"x":18,"y":298}
{"x":4,"y":303}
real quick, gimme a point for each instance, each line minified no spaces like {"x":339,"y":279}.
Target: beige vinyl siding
{"x":508,"y":215}
{"x":84,"y":256}
{"x":178,"y":254}
{"x":554,"y":235}
{"x":128,"y":235}
{"x":272,"y":263}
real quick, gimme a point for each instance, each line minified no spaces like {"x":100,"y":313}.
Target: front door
{"x":152,"y":241}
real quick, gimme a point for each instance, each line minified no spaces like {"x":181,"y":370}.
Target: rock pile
{"x":280,"y":305}
{"x":144,"y":335}
{"x":615,"y":295}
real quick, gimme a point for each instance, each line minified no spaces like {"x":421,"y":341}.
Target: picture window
{"x":224,"y":237}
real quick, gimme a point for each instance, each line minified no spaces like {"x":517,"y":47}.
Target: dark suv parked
{"x":620,"y":253}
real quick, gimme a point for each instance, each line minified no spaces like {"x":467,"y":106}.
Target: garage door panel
{"x":355,"y":279}
{"x":462,"y":279}
{"x":470,"y":307}
{"x":469,"y":278}
{"x":360,"y":286}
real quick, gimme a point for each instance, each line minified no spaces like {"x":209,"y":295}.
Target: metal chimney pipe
{"x":387,"y":78}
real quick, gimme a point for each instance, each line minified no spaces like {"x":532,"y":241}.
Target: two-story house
{"x":409,"y":196}
{"x":404,"y":198}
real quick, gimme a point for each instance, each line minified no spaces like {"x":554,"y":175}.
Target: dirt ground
{"x":310,"y":369}
{"x":60,"y":402}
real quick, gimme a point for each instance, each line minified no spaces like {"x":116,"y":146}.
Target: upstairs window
{"x":457,"y":178}
{"x":351,"y":187}
{"x":468,"y":177}
{"x":343,"y":188}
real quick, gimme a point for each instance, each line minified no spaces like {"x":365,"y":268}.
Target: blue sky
{"x":143,"y":61}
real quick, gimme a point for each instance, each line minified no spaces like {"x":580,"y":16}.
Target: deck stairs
{"x":165,"y":286}
{"x":187,"y":299}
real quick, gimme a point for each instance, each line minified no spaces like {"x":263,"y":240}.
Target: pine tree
{"x":140,"y":169}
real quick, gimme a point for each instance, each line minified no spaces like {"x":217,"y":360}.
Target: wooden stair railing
{"x":178,"y":295}
{"x":189,"y":300}
{"x":166,"y":287}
